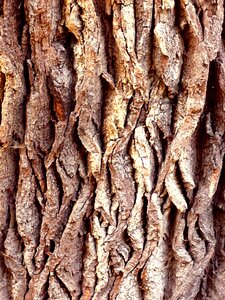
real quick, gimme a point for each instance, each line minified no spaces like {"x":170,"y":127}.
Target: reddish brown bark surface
{"x":112,"y":117}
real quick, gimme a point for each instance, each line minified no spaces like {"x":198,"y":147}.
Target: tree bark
{"x":112,"y":117}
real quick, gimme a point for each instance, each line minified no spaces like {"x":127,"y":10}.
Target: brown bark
{"x":111,"y":149}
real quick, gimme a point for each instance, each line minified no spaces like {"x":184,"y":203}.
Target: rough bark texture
{"x":111,"y":149}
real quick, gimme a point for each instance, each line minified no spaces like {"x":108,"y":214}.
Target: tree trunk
{"x":111,"y":149}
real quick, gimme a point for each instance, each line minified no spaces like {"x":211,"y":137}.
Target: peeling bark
{"x":112,"y":149}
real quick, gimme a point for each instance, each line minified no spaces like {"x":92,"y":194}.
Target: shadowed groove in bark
{"x":1,"y":6}
{"x":2,"y":87}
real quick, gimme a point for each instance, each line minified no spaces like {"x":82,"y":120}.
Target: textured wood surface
{"x":112,"y":119}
